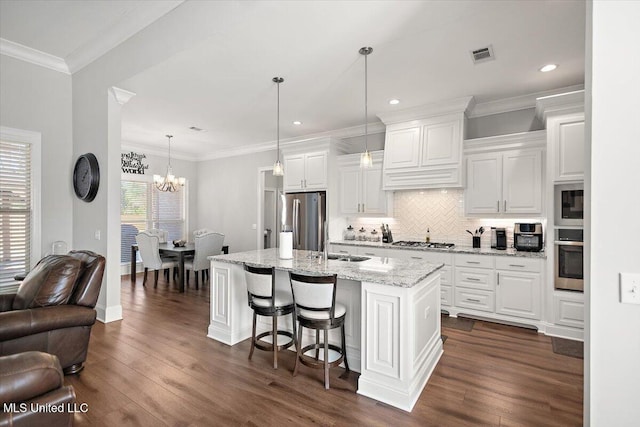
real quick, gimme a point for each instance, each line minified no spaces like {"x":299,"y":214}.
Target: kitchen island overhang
{"x":393,"y":315}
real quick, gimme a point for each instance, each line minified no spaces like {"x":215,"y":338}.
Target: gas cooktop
{"x":436,"y":245}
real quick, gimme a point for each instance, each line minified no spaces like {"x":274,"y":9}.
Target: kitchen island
{"x":392,"y":323}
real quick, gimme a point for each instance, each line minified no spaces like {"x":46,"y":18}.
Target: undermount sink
{"x":347,"y":258}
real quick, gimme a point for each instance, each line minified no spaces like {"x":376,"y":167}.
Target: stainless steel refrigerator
{"x":305,"y":214}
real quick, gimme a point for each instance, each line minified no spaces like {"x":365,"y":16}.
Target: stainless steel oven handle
{"x":568,"y":243}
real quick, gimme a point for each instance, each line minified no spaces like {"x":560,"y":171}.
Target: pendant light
{"x":365,"y":158}
{"x":278,"y":170}
{"x":169,"y":182}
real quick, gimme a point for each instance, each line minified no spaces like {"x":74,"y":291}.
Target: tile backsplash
{"x":442,"y":212}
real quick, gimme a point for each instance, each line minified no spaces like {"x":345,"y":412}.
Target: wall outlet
{"x":96,"y":235}
{"x":254,"y":226}
{"x":629,"y":288}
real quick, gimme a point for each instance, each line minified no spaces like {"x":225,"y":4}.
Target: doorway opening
{"x":269,"y":187}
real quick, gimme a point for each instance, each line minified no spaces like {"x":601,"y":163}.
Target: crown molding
{"x":122,"y":96}
{"x":457,"y":105}
{"x":563,"y":103}
{"x":125,"y":27}
{"x":289,"y":143}
{"x":521,"y":140}
{"x":515,"y":103}
{"x":33,"y":56}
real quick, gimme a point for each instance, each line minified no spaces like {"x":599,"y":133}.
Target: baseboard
{"x":110,"y":314}
{"x":564,"y":332}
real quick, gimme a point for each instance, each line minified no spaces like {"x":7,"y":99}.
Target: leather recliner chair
{"x":54,"y":308}
{"x":31,"y":383}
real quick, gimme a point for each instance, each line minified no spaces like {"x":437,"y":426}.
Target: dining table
{"x":169,"y":249}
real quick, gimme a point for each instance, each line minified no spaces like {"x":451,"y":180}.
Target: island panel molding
{"x":392,"y":321}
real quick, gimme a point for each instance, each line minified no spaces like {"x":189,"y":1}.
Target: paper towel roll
{"x":286,"y":245}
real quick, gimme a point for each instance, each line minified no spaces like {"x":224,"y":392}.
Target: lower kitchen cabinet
{"x":569,"y":309}
{"x":518,"y":294}
{"x":519,"y":287}
{"x":475,"y":299}
{"x":446,"y":282}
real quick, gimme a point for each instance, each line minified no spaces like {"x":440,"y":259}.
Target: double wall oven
{"x":569,"y":242}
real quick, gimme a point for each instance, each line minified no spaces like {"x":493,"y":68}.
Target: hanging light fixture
{"x":365,"y":158}
{"x":278,"y":170}
{"x":169,"y":182}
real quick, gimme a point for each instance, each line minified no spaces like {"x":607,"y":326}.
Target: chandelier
{"x":365,"y":158}
{"x":169,"y":182}
{"x":278,"y":169}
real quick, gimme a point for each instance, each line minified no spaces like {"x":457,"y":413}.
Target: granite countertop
{"x":458,"y":249}
{"x":384,"y":271}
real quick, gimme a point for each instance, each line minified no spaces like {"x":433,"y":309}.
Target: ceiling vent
{"x":483,"y":54}
{"x":196,"y":129}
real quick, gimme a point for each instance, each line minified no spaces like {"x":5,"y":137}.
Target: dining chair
{"x":200,"y":232}
{"x":148,"y":246}
{"x":205,"y":245}
{"x":163,"y":235}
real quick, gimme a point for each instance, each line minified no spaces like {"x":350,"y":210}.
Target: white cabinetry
{"x":474,"y":282}
{"x":569,"y":309}
{"x":446,"y":279}
{"x":305,"y":172}
{"x":566,"y":139}
{"x":361,"y":189}
{"x":423,"y":146}
{"x":564,"y":117}
{"x":518,"y":287}
{"x":505,"y":181}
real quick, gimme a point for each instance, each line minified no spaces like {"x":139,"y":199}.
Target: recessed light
{"x":394,"y":101}
{"x":548,"y":67}
{"x":297,"y":123}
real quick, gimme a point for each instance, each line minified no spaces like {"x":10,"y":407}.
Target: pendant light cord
{"x":366,"y":132}
{"x":169,"y":136}
{"x":278,"y":80}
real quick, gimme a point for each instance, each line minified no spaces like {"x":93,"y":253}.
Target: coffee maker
{"x":498,"y":238}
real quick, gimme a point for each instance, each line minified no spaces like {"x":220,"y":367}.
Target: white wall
{"x":39,"y":99}
{"x":227,"y":197}
{"x":612,"y":391}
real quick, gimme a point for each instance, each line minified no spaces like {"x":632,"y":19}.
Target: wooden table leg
{"x":181,"y":271}
{"x":133,"y":264}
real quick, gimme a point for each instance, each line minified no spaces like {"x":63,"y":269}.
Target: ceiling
{"x":421,"y":55}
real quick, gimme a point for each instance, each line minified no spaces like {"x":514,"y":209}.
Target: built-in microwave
{"x":569,"y":204}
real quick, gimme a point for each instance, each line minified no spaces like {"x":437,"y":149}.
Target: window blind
{"x":143,"y":207}
{"x":15,"y":210}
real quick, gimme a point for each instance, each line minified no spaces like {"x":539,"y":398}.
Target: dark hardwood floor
{"x":157,"y":367}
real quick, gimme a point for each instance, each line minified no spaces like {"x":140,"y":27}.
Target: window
{"x":142,"y":207}
{"x":16,"y":210}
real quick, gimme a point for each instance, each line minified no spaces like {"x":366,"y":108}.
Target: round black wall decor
{"x":86,"y":177}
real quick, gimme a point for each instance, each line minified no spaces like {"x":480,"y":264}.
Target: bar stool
{"x":316,"y":308}
{"x":264,"y":300}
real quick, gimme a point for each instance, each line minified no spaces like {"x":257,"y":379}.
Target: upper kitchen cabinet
{"x":305,"y":171}
{"x":310,"y":164}
{"x":360,"y":189}
{"x":505,"y":174}
{"x":423,"y":146}
{"x":564,"y":117}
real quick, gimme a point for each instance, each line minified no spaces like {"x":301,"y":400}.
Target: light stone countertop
{"x":458,"y":249}
{"x":384,"y":271}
